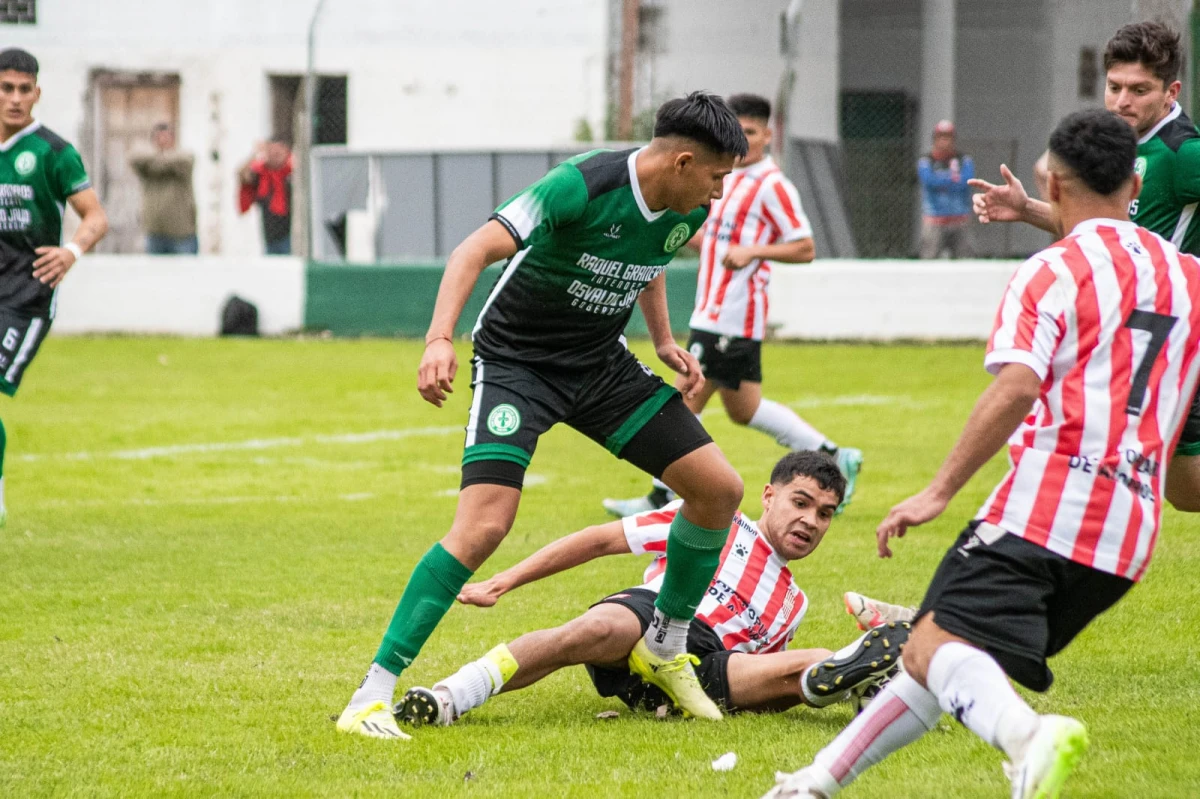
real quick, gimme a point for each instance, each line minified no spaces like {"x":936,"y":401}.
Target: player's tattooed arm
{"x":52,"y":263}
{"x":566,"y":553}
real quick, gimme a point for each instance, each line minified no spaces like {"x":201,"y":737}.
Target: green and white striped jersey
{"x":1168,"y":159}
{"x":588,"y":245}
{"x":38,"y":172}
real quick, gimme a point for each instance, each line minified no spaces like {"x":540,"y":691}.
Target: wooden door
{"x":126,"y":107}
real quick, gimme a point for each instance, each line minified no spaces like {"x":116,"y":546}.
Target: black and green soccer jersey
{"x":38,"y":172}
{"x":1168,"y":159}
{"x":587,"y":246}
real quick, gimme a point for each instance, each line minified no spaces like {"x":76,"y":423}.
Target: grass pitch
{"x":207,"y":538}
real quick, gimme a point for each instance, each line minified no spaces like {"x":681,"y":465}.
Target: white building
{"x":422,"y":75}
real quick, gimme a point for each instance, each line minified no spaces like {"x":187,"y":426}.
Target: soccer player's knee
{"x":726,"y":491}
{"x":590,"y":628}
{"x":739,"y":416}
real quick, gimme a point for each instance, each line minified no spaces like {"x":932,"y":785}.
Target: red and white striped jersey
{"x":1109,"y":318}
{"x":759,"y":206}
{"x":752,"y":604}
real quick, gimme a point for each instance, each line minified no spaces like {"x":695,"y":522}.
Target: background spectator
{"x":168,"y":202}
{"x":267,"y":182}
{"x":945,"y":197}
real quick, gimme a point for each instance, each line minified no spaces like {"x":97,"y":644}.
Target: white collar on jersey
{"x":20,"y":134}
{"x":1172,"y":114}
{"x":647,"y":214}
{"x":765,"y":163}
{"x":1088,"y":225}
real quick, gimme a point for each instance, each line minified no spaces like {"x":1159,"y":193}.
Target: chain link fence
{"x":879,"y":155}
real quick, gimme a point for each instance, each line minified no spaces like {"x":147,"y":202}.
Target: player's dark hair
{"x":703,"y":118}
{"x":18,"y":60}
{"x":820,"y":466}
{"x":1098,"y":146}
{"x":1151,"y":44}
{"x":750,"y":105}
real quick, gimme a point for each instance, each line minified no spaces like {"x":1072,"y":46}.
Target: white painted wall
{"x":181,"y":295}
{"x":451,"y":74}
{"x":735,"y":47}
{"x":885,"y":300}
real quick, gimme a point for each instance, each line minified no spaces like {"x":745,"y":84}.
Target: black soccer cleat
{"x":420,"y":707}
{"x":877,"y":653}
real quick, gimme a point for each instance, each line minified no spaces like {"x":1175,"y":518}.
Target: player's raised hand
{"x":914,"y":511}
{"x":52,"y":264}
{"x":683,"y":362}
{"x":999,"y":203}
{"x":438,"y":367}
{"x":481,"y":595}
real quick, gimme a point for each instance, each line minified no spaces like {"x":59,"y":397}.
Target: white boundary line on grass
{"x":147,"y":453}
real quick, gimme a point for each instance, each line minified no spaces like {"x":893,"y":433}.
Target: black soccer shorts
{"x":727,"y":360}
{"x":624,"y":407}
{"x":21,"y":335}
{"x":1019,"y":602}
{"x":713,"y":671}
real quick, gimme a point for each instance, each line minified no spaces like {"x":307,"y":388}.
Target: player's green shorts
{"x":513,"y":404}
{"x":21,"y":334}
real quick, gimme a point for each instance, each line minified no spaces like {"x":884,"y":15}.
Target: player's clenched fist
{"x":683,"y":362}
{"x":438,"y":366}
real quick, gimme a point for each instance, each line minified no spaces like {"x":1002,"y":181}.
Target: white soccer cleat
{"x":870,"y":613}
{"x":806,"y":783}
{"x":1051,"y":755}
{"x":373,"y":721}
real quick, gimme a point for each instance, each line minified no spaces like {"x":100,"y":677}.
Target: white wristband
{"x":74,"y":248}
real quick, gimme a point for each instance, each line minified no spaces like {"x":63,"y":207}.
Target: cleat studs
{"x":823,"y":687}
{"x":830,"y":665}
{"x":874,"y":664}
{"x":838,"y":681}
{"x":885,"y":643}
{"x":874,"y":633}
{"x":866,"y":644}
{"x":887,"y":658}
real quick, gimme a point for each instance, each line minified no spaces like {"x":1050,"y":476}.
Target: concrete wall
{"x":180,"y":295}
{"x":456,"y":73}
{"x":735,"y":47}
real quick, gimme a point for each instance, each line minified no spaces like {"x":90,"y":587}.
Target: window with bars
{"x":18,"y":12}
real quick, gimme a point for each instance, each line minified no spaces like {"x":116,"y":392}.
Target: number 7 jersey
{"x":1109,"y":318}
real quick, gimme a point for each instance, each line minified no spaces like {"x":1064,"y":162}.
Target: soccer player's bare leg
{"x":484,"y":515}
{"x":770,"y":682}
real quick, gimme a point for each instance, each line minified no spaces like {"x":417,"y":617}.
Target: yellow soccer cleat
{"x":373,"y":721}
{"x":676,"y":678}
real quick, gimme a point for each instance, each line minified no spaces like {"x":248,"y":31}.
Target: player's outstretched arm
{"x":565,"y":553}
{"x":801,"y":251}
{"x":52,"y":263}
{"x":1008,"y":202}
{"x":1000,"y":409}
{"x":653,"y":302}
{"x":487,"y":245}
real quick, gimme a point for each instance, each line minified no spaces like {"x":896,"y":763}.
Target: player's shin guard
{"x":901,"y":713}
{"x":430,"y":592}
{"x":693,"y":553}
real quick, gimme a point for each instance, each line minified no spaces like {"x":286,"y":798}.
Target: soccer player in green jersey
{"x":583,"y":244}
{"x":1141,"y":62}
{"x":39,"y":172}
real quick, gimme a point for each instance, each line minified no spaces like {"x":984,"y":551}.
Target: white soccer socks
{"x":378,"y":686}
{"x":972,"y":687}
{"x":474,"y":683}
{"x":901,"y":713}
{"x":785,"y":426}
{"x":667,"y":637}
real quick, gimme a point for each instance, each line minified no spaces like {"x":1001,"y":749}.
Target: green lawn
{"x":200,"y":559}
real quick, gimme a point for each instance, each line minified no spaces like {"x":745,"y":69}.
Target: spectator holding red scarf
{"x":266,"y":181}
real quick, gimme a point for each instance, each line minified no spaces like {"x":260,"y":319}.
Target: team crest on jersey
{"x":504,"y":420}
{"x":25,"y":164}
{"x":677,"y":237}
{"x":614,"y":232}
{"x":1139,"y":166}
{"x":740,"y":551}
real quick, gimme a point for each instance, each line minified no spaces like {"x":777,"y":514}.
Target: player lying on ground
{"x":738,"y":638}
{"x":758,"y":220}
{"x":1096,"y":353}
{"x":583,"y":244}
{"x":39,"y":174}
